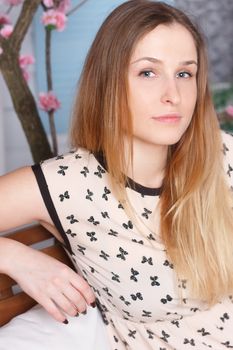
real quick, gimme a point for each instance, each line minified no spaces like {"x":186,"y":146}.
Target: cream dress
{"x":143,"y":304}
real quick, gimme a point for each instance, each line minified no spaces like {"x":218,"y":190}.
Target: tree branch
{"x":75,"y":8}
{"x":24,"y":20}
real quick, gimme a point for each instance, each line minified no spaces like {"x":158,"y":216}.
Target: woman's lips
{"x":167,"y":118}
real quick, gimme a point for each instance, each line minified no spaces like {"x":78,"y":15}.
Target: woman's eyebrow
{"x":156,"y":60}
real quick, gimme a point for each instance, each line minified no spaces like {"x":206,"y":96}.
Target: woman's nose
{"x":170,"y":93}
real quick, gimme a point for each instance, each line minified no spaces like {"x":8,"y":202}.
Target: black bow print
{"x":176,"y":323}
{"x":64,"y":196}
{"x":81,"y":249}
{"x":85,"y":171}
{"x":146,"y":313}
{"x":104,"y":255}
{"x":189,"y":341}
{"x":112,"y":233}
{"x":72,"y":234}
{"x":225,"y":149}
{"x":129,"y":225}
{"x":72,"y":219}
{"x":136,"y":296}
{"x":228,"y":345}
{"x":77,"y":156}
{"x":92,"y":236}
{"x":203,"y":332}
{"x":89,"y":195}
{"x":182,"y":284}
{"x":115,"y":277}
{"x":134,"y":273}
{"x":167,"y":263}
{"x":164,"y":336}
{"x":146,"y":213}
{"x":106,"y":192}
{"x":99,"y":171}
{"x":127,"y":313}
{"x":92,"y":220}
{"x":139,"y":242}
{"x":149,"y":260}
{"x":151,"y":237}
{"x":224,"y":317}
{"x":122,"y":253}
{"x":59,"y":157}
{"x":132,"y":334}
{"x":127,"y":303}
{"x":154,"y":280}
{"x":230,"y":169}
{"x":150,"y":333}
{"x":105,"y":214}
{"x":62,"y":170}
{"x":166,"y":299}
{"x":107,"y":291}
{"x":92,"y":269}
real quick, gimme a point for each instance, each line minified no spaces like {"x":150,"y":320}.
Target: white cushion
{"x":37,"y":330}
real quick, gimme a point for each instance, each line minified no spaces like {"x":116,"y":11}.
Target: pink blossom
{"x":64,"y":6}
{"x":1,"y":50}
{"x":4,"y":20}
{"x":48,"y":101}
{"x":48,"y":3}
{"x":13,"y":2}
{"x":6,"y":31}
{"x":229,"y":110}
{"x":25,"y":60}
{"x":54,"y":18}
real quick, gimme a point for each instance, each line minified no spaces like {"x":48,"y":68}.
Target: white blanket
{"x":36,"y":330}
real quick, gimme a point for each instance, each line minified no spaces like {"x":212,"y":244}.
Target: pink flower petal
{"x":48,"y":101}
{"x":25,"y":60}
{"x":64,"y":6}
{"x":4,"y":19}
{"x":229,"y":110}
{"x":54,"y":18}
{"x":48,"y":3}
{"x":6,"y":31}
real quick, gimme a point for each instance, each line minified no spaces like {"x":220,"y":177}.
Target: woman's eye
{"x":184,"y":75}
{"x":147,"y":74}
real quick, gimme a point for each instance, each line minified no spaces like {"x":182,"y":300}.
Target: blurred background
{"x":68,"y":51}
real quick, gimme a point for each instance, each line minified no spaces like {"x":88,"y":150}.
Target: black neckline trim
{"x":143,"y":190}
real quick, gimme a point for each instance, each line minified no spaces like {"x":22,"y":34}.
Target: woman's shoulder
{"x":72,"y":156}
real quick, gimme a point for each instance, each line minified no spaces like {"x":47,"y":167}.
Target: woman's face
{"x":162,"y":85}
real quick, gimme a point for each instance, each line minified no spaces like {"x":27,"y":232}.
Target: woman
{"x":142,"y":204}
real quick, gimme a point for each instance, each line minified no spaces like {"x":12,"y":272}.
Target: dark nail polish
{"x":84,"y":312}
{"x":66,"y":321}
{"x":93,"y":304}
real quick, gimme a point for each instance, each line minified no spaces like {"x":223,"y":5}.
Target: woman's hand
{"x":52,"y":284}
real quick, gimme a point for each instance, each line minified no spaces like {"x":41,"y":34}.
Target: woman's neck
{"x":148,"y":163}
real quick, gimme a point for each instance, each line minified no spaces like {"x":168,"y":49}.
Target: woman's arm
{"x":52,"y":284}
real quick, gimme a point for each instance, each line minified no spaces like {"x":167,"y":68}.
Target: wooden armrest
{"x":13,"y":301}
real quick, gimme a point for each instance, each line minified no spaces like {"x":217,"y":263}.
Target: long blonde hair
{"x":196,"y":214}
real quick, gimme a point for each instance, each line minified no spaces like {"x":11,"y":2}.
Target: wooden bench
{"x":13,"y":301}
